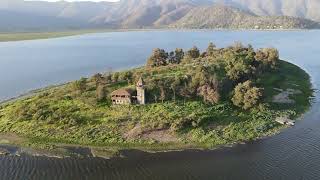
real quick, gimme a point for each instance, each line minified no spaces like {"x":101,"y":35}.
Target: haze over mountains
{"x":18,"y":15}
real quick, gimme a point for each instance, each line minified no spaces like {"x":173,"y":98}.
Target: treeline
{"x":213,"y":74}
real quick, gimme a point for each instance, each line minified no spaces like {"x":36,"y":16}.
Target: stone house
{"x":129,"y":96}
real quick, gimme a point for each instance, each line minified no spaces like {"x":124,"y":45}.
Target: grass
{"x":21,"y":36}
{"x":288,"y":76}
{"x":83,"y":122}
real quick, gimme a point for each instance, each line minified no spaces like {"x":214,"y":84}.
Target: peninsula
{"x":178,"y":100}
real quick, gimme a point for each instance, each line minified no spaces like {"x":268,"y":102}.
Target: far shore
{"x":23,"y":36}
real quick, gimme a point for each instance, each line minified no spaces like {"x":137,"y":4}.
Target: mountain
{"x":20,"y":15}
{"x":147,"y":13}
{"x":308,"y":9}
{"x":17,"y":21}
{"x":220,"y":16}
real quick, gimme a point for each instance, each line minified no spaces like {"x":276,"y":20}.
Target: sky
{"x":79,"y":0}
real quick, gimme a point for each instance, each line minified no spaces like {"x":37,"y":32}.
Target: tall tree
{"x":179,"y":54}
{"x":97,"y":78}
{"x":158,"y":58}
{"x":211,"y":49}
{"x":80,"y":85}
{"x":193,"y":53}
{"x":100,"y":92}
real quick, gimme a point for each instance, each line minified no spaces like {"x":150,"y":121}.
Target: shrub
{"x":246,"y":95}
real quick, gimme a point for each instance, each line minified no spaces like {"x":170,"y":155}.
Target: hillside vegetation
{"x":227,"y":17}
{"x":194,"y":99}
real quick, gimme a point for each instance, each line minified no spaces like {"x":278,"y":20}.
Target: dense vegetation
{"x":194,"y":99}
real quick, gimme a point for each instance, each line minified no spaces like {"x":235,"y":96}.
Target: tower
{"x":141,"y":92}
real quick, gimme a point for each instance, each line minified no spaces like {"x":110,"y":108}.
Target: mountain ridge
{"x":143,"y":13}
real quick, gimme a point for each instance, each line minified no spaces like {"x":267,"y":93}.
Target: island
{"x":178,"y":100}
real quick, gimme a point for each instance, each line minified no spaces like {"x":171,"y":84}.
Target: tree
{"x":173,"y":86}
{"x":126,"y":76}
{"x":209,"y":93}
{"x":80,"y":85}
{"x":171,"y":58}
{"x":97,"y":78}
{"x":209,"y":87}
{"x":193,"y":53}
{"x":211,"y":49}
{"x":115,"y":77}
{"x":179,"y":54}
{"x":268,"y":57}
{"x":108,"y":78}
{"x":238,"y":65}
{"x":246,"y":95}
{"x":100,"y":92}
{"x":158,"y":58}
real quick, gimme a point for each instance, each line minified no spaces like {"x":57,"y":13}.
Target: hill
{"x":227,"y":17}
{"x":307,"y":9}
{"x":64,"y":15}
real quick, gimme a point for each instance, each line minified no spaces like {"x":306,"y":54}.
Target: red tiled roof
{"x":122,"y":92}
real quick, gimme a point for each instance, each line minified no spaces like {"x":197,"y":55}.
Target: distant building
{"x":129,"y":96}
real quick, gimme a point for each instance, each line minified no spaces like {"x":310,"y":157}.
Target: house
{"x":130,"y":96}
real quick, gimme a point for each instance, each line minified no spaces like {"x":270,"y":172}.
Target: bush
{"x":246,"y":95}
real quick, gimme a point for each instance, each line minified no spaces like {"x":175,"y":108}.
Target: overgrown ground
{"x":55,"y":116}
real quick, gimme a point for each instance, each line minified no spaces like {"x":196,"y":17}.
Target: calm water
{"x":293,"y":154}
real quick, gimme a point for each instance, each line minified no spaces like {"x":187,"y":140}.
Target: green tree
{"x":174,"y":85}
{"x":80,"y":85}
{"x":211,"y":50}
{"x":246,"y":95}
{"x":158,"y":58}
{"x":100,"y":92}
{"x":179,"y":54}
{"x":97,"y":78}
{"x":193,"y":53}
{"x":115,"y":77}
{"x":238,"y":65}
{"x":171,"y":58}
{"x":210,"y":93}
{"x":268,"y":57}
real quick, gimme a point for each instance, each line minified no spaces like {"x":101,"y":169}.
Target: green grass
{"x":287,"y":76}
{"x":58,"y":116}
{"x":19,"y":36}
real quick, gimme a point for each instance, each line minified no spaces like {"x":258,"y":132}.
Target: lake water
{"x":292,"y":155}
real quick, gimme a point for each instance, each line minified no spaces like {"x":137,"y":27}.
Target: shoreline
{"x":29,"y":36}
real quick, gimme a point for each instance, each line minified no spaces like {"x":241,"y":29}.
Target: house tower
{"x":141,"y":92}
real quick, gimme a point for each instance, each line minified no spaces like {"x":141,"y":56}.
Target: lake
{"x":294,"y":154}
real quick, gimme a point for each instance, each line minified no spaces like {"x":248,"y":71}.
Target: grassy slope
{"x":20,"y":36}
{"x":104,"y":125}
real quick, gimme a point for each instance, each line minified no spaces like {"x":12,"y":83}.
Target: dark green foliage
{"x":239,"y":63}
{"x":179,"y":54}
{"x":98,"y":79}
{"x":101,"y":93}
{"x":158,"y":58}
{"x":193,"y":53}
{"x":211,"y":50}
{"x":246,"y":95}
{"x":80,"y":85}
